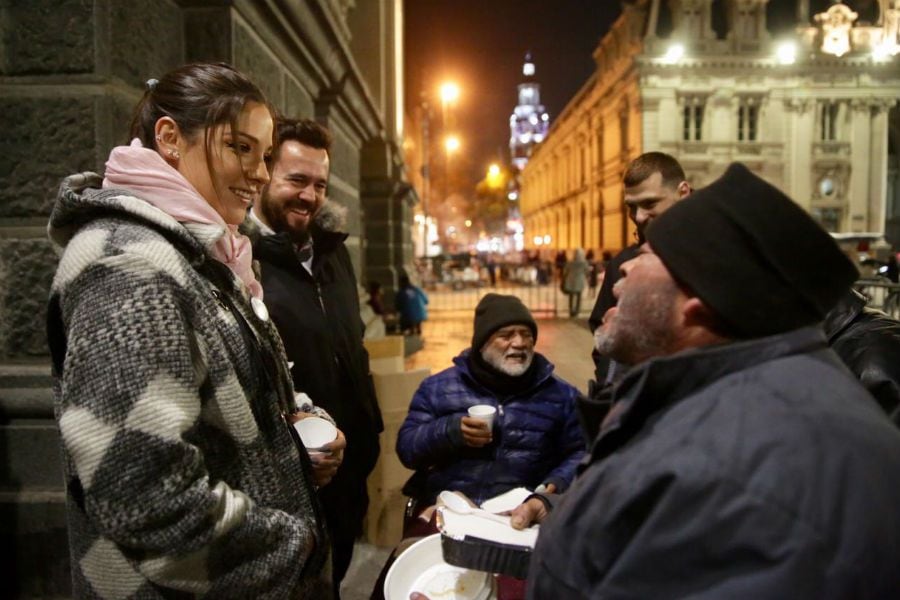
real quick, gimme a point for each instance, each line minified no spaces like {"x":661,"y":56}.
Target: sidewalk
{"x":565,"y":342}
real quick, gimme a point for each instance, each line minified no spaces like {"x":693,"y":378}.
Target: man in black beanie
{"x":741,"y":459}
{"x":534,"y":440}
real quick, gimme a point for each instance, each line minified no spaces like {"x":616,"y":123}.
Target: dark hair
{"x":649,"y":163}
{"x":306,"y":131}
{"x":197,"y":97}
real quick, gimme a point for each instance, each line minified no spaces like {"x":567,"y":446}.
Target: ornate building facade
{"x":713,"y":81}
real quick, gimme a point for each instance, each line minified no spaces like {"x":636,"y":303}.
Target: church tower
{"x":529,"y":121}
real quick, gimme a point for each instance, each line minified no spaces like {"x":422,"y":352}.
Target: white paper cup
{"x":483,"y":412}
{"x":315,"y":432}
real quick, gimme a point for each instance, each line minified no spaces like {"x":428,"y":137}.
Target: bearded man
{"x":535,"y":439}
{"x":740,"y":459}
{"x":311,"y":293}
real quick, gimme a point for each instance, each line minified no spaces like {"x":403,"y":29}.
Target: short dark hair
{"x":649,"y":163}
{"x":305,"y":131}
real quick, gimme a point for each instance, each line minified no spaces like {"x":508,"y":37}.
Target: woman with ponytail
{"x":173,"y":395}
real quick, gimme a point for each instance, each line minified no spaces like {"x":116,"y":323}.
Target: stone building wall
{"x":70,"y":73}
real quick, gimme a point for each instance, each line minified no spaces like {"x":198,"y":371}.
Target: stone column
{"x":878,"y":163}
{"x":860,"y":183}
{"x":798,"y":147}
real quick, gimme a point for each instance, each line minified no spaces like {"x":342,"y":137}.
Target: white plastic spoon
{"x":458,"y":504}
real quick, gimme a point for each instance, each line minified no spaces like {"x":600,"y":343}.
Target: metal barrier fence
{"x":459,"y":285}
{"x":541,"y":300}
{"x":882,"y":295}
{"x":460,"y":290}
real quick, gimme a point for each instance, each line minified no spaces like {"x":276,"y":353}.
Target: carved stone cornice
{"x":799,"y":105}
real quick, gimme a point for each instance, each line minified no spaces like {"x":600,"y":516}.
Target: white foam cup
{"x":483,"y":412}
{"x":315,"y":432}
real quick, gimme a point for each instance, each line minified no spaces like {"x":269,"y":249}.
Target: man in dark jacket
{"x":740,"y":459}
{"x":311,"y":292}
{"x":653,"y":183}
{"x":535,"y":438}
{"x":868,"y":341}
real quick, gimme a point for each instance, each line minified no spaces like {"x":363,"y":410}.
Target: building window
{"x":828,"y":121}
{"x":623,"y":131}
{"x":748,"y":119}
{"x":600,"y":146}
{"x":693,"y":118}
{"x":828,"y":218}
{"x":583,"y":164}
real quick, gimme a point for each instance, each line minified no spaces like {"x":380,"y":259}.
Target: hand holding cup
{"x":478,"y":425}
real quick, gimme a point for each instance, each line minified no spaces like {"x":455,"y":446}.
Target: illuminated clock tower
{"x":529,"y":121}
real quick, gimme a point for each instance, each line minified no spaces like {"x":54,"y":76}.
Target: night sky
{"x":481,"y":44}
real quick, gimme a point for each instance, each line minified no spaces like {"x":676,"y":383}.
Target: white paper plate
{"x":506,"y":501}
{"x":421,"y":568}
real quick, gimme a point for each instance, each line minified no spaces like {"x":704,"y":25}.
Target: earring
{"x":159,"y":139}
{"x":174,"y":154}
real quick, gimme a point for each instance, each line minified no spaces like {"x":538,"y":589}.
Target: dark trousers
{"x":574,"y":303}
{"x":345,"y":501}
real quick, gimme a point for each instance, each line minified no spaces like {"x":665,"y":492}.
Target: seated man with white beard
{"x":535,"y":439}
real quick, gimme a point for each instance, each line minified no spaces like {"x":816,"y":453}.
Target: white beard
{"x":499,"y":362}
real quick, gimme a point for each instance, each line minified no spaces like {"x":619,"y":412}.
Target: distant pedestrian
{"x":376,"y":300}
{"x":574,"y":274}
{"x":411,"y":302}
{"x":491,"y":265}
{"x":593,"y":273}
{"x":560,"y":262}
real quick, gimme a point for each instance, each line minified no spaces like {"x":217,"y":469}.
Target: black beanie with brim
{"x":495,"y":311}
{"x":752,"y":255}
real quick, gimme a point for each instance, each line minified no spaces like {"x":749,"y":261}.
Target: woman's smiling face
{"x":233,"y":177}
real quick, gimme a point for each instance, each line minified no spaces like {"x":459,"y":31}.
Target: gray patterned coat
{"x":182,"y":476}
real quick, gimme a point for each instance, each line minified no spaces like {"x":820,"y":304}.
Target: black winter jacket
{"x":758,"y":469}
{"x":868,"y":341}
{"x":319,"y":321}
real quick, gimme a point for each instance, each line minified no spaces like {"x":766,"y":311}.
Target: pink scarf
{"x":144,"y":171}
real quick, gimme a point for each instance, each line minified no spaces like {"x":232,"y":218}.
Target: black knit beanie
{"x":752,"y":255}
{"x":495,"y":311}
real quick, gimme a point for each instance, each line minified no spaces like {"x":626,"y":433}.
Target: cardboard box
{"x":386,"y":355}
{"x":395,"y":390}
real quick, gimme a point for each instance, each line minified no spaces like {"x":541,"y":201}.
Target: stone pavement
{"x":565,"y":342}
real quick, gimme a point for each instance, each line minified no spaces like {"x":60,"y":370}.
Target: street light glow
{"x":674,"y":53}
{"x":449,"y":92}
{"x":493,"y":170}
{"x":452,"y":144}
{"x":787,"y":53}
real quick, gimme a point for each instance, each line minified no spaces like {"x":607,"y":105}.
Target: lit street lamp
{"x":449,"y":95}
{"x":451,"y":144}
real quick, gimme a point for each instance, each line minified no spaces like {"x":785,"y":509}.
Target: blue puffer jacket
{"x":537,"y":438}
